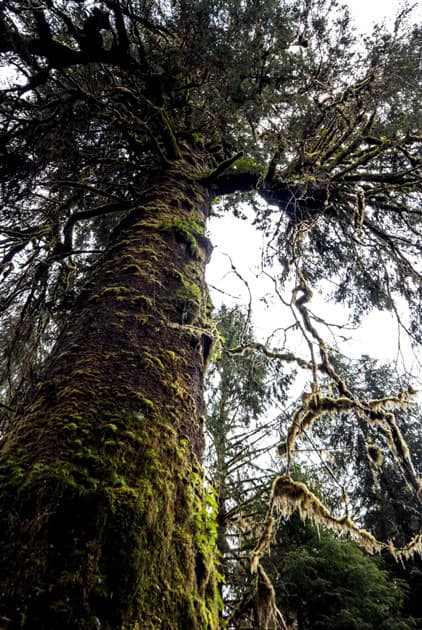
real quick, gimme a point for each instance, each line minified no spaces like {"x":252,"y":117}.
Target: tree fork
{"x":103,"y":515}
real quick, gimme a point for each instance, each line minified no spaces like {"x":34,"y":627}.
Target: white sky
{"x":367,"y":12}
{"x":378,"y":335}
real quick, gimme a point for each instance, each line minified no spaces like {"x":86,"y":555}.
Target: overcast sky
{"x":368,"y":12}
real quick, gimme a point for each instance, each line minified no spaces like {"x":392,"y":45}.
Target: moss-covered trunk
{"x":103,"y":518}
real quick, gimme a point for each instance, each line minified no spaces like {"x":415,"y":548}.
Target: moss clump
{"x":110,"y":427}
{"x":188,"y":300}
{"x":186,"y":229}
{"x":169,"y":354}
{"x":70,"y":426}
{"x":150,"y":360}
{"x":137,"y":536}
{"x":247,"y":163}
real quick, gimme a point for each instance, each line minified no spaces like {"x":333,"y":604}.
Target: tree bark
{"x":103,"y":516}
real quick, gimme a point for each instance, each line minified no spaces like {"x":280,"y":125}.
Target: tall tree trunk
{"x":103,"y":518}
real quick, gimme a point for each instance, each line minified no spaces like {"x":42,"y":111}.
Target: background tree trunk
{"x":103,"y":519}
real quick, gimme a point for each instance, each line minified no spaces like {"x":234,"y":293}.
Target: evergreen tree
{"x":331,"y":584}
{"x":318,"y":581}
{"x":121,"y":121}
{"x":242,"y":389}
{"x":360,"y":462}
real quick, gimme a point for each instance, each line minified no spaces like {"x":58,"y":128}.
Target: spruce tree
{"x":122,"y":121}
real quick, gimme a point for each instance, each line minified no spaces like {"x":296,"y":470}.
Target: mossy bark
{"x":104,"y":523}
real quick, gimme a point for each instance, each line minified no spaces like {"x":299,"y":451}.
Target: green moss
{"x":188,"y":300}
{"x":125,"y":294}
{"x":177,"y":275}
{"x":147,"y":404}
{"x":70,"y":426}
{"x":198,"y":139}
{"x":169,"y":354}
{"x":179,"y":390}
{"x":116,"y":290}
{"x":186,"y":229}
{"x":70,"y":392}
{"x":247,"y":163}
{"x":151,"y":360}
{"x":131,"y":435}
{"x":111,"y":427}
{"x":205,"y":518}
{"x":134,"y":267}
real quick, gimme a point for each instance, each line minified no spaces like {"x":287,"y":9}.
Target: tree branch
{"x":237,"y":180}
{"x":66,"y":246}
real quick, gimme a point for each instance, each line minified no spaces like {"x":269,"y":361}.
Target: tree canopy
{"x":276,"y":97}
